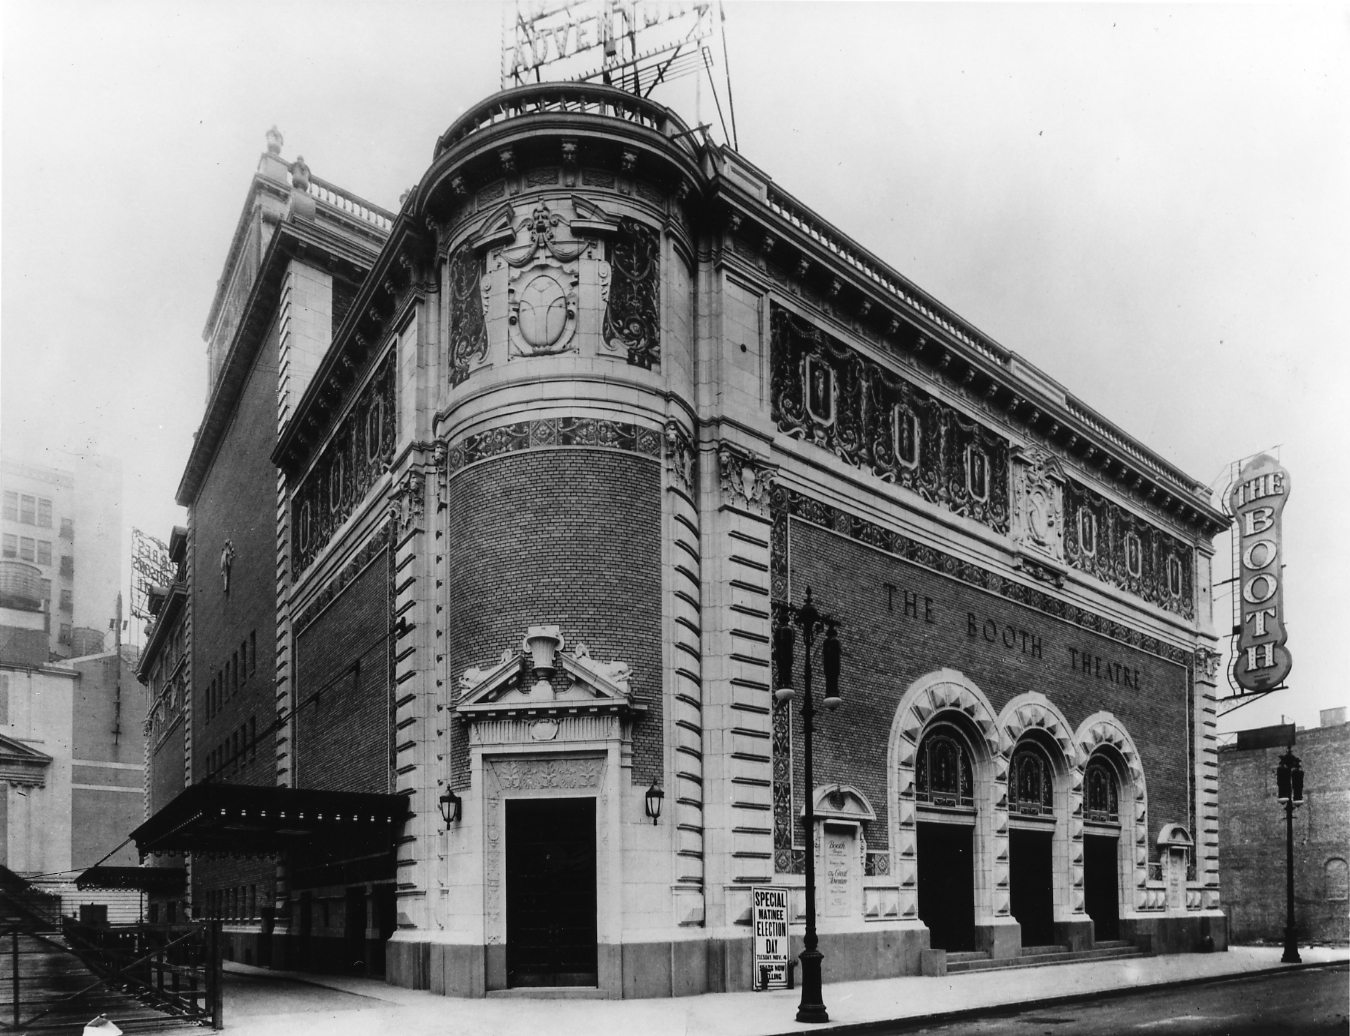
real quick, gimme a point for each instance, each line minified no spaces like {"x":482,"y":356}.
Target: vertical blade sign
{"x":1257,"y":502}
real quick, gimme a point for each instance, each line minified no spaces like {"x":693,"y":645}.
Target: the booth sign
{"x":770,"y":919}
{"x":1257,"y":501}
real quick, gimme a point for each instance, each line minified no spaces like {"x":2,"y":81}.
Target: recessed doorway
{"x":1031,"y":892}
{"x":947,"y":884}
{"x":550,"y":892}
{"x":1101,"y":885}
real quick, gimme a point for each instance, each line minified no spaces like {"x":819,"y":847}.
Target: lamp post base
{"x":1290,"y":948}
{"x":812,"y":1007}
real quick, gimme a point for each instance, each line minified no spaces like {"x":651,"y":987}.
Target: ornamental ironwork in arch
{"x":942,"y":771}
{"x":1101,"y":802}
{"x":633,"y":316}
{"x":468,"y":329}
{"x":1031,"y":782}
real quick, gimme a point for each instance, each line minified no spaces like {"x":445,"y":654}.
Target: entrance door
{"x":354,"y":930}
{"x":1101,"y":885}
{"x":947,"y":885}
{"x":550,"y":892}
{"x":1031,"y":891}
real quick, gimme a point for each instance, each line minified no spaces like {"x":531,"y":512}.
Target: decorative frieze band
{"x":789,"y":503}
{"x":550,"y":433}
{"x":359,"y":452}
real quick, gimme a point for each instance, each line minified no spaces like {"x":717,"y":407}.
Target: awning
{"x":165,"y":881}
{"x":248,"y":820}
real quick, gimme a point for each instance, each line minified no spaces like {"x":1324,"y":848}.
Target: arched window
{"x":1102,"y":805}
{"x":1087,"y":531}
{"x":819,"y":390}
{"x":1134,"y":554}
{"x":942,"y":774}
{"x":1031,"y":784}
{"x":906,"y":436}
{"x":977,"y":473}
{"x":1338,"y":888}
{"x":1173,"y":575}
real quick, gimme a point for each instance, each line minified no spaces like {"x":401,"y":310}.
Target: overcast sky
{"x":1147,"y":202}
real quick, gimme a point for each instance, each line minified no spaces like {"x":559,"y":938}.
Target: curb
{"x":1013,"y":1007}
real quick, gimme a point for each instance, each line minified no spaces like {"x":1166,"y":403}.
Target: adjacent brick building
{"x":1253,"y":834}
{"x":555,"y":446}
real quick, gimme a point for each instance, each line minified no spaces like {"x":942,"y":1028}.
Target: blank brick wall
{"x":568,"y":537}
{"x":886,"y":650}
{"x":343,"y":739}
{"x":237,"y":502}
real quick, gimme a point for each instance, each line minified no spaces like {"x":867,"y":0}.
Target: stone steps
{"x":1039,"y":956}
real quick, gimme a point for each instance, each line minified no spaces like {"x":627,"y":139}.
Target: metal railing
{"x":570,"y":99}
{"x":175,"y":968}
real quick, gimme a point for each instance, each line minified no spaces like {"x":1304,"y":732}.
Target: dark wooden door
{"x":1101,"y":885}
{"x":354,"y":930}
{"x":947,"y":885}
{"x":1031,"y":891}
{"x":550,"y":892}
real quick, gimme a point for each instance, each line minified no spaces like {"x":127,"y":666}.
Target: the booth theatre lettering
{"x":1257,"y":502}
{"x":1007,"y":637}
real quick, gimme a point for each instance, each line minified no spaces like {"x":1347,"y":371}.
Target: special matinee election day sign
{"x":1257,"y":499}
{"x":770,"y":918}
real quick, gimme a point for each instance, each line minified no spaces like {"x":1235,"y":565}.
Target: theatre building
{"x":548,"y":452}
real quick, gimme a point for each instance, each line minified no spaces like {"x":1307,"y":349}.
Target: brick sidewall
{"x":237,"y":502}
{"x":568,"y":537}
{"x":1252,"y":838}
{"x":343,"y":739}
{"x":886,"y":650}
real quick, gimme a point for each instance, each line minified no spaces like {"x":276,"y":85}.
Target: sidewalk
{"x":264,"y":1003}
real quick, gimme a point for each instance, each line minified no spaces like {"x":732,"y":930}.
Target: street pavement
{"x":265,"y":1003}
{"x":1298,"y":1002}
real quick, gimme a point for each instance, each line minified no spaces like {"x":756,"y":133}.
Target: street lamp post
{"x":1289,"y":788}
{"x":812,"y":1006}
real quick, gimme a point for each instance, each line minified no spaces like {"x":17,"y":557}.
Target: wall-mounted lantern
{"x":654,"y":796}
{"x":450,"y":805}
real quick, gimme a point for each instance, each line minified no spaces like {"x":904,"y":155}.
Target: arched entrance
{"x":1031,"y":838}
{"x":944,"y":792}
{"x":1101,"y":842}
{"x":1115,"y":823}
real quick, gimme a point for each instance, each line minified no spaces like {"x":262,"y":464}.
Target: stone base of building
{"x":1193,"y":933}
{"x":654,"y":969}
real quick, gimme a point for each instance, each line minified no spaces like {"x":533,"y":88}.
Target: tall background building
{"x":61,"y":561}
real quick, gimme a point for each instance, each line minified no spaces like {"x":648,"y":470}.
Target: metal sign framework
{"x":150,"y":566}
{"x":635,"y":45}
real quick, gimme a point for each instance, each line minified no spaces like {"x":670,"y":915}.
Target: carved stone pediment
{"x":1038,"y":503}
{"x":575,"y":685}
{"x":22,"y":765}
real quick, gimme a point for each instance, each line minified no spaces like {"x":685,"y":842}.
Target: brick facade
{"x":1252,"y":836}
{"x":233,"y":693}
{"x":648,"y":416}
{"x":899,"y":621}
{"x":344,"y":731}
{"x":571,"y":537}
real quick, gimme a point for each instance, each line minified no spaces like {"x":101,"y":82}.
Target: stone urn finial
{"x":300,"y":174}
{"x":274,"y":141}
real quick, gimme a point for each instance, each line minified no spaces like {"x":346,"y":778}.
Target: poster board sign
{"x":769,"y":917}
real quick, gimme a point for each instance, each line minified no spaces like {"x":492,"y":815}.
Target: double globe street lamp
{"x":811,"y":622}
{"x":1289,"y":790}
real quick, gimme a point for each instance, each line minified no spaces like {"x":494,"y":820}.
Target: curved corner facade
{"x":605,"y":399}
